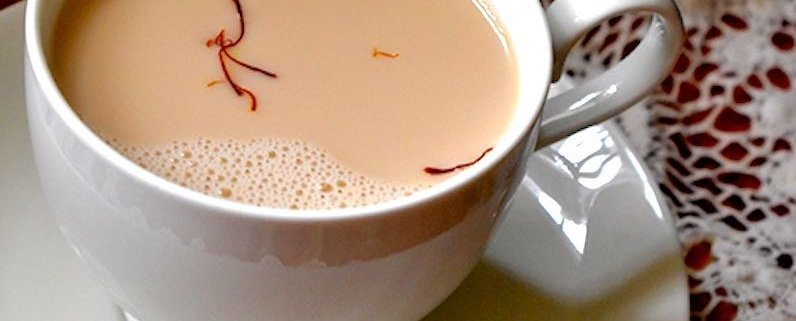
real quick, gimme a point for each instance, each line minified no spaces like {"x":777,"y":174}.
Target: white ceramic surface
{"x":40,"y":277}
{"x":622,"y":85}
{"x":608,"y":254}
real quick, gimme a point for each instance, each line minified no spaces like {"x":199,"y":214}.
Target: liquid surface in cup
{"x":366,"y":94}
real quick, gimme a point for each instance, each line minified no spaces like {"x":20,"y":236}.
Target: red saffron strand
{"x":239,"y":9}
{"x":250,"y":67}
{"x":239,"y":90}
{"x":226,"y":74}
{"x":224,"y":44}
{"x":440,"y":171}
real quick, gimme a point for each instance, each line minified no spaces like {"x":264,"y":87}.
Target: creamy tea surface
{"x":318,"y":104}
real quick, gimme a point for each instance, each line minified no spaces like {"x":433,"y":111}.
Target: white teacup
{"x":167,"y":253}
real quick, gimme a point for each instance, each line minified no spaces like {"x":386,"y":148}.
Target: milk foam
{"x":272,"y":173}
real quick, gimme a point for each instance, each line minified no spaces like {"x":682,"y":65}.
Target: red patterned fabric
{"x":719,"y":133}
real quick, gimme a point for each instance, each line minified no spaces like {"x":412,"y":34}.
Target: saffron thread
{"x":224,"y":44}
{"x":440,"y":171}
{"x":214,"y":82}
{"x":379,"y":53}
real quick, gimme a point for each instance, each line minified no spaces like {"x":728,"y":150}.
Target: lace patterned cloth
{"x":719,"y":134}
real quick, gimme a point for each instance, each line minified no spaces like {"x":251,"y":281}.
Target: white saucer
{"x":585,"y":239}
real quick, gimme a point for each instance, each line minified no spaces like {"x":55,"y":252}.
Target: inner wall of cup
{"x":528,"y":38}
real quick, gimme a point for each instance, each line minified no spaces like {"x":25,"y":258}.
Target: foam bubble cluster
{"x":264,"y":172}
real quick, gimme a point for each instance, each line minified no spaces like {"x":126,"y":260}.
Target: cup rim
{"x":527,"y":112}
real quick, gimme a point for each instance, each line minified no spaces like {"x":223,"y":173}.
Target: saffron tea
{"x":290,"y":104}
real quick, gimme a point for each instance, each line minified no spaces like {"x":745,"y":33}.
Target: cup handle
{"x":618,"y":87}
